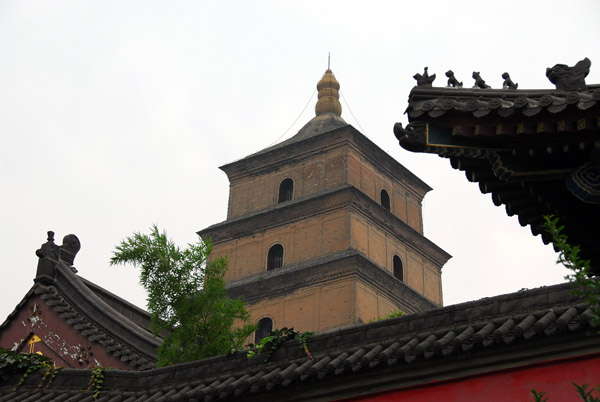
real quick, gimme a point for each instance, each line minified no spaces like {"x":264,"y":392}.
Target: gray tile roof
{"x":528,"y":148}
{"x":435,"y":102}
{"x":82,"y":309}
{"x":345,"y":360}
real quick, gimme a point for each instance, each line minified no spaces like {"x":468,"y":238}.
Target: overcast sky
{"x":115,"y":115}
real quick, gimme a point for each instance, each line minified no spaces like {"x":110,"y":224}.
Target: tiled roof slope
{"x":300,"y":148}
{"x":122,"y":306}
{"x":451,"y":342}
{"x":534,"y":151}
{"x":72,"y":298}
{"x":435,"y":102}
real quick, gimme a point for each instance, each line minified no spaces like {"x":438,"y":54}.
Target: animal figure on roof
{"x":424,"y":80}
{"x":569,"y":78}
{"x":452,"y":81}
{"x":508,"y":83}
{"x":479,"y":82}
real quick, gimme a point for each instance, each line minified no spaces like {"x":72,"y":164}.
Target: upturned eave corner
{"x":533,"y":150}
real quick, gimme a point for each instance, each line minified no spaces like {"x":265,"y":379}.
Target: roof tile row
{"x":482,"y":325}
{"x":435,"y":102}
{"x":53,"y":299}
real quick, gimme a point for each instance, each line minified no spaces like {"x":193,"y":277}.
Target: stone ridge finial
{"x":66,"y":252}
{"x":424,"y":80}
{"x":569,"y":78}
{"x":328,"y":96}
{"x":48,"y":249}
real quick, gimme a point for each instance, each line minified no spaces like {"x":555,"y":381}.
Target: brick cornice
{"x":278,"y":215}
{"x":324,"y":203}
{"x":294,"y":153}
{"x":395,"y":227}
{"x":388,"y":165}
{"x":319,"y":271}
{"x":301,"y":151}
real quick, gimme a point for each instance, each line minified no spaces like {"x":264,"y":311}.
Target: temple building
{"x":313,"y":231}
{"x":75,"y":322}
{"x":536,"y":152}
{"x":325,"y":229}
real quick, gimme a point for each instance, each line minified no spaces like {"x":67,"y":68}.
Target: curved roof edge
{"x":65,"y":291}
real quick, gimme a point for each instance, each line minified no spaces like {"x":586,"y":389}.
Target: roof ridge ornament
{"x":479,"y":82}
{"x":508,"y":83}
{"x":424,"y":80}
{"x":66,"y":252}
{"x":452,"y":81}
{"x":569,"y":78}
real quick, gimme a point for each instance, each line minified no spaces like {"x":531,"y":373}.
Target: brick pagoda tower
{"x":325,"y":229}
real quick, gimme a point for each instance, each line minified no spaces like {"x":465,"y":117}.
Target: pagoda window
{"x":385,"y":200}
{"x":286,"y":191}
{"x":264,"y":328}
{"x":275,"y":257}
{"x":398,"y":269}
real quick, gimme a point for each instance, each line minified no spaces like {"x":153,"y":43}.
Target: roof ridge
{"x":107,"y":326}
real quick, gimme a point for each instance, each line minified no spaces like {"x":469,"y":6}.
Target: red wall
{"x":555,"y":378}
{"x":59,"y":340}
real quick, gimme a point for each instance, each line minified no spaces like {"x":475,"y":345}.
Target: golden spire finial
{"x":329,"y":96}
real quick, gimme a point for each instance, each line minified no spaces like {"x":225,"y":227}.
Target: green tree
{"x":588,"y":288}
{"x":186,"y":297}
{"x":568,"y":256}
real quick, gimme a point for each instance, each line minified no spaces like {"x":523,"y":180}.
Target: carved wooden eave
{"x":535,"y":151}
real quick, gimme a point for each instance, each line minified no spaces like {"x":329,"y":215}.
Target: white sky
{"x":115,"y":115}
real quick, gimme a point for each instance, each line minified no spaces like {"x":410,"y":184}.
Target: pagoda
{"x":325,"y":229}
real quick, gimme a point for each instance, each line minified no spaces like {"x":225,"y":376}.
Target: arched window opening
{"x":275,"y":257}
{"x":398,"y":270}
{"x":286,"y":190}
{"x":264,"y":328}
{"x":385,"y":200}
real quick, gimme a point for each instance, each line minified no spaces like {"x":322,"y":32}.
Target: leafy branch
{"x":97,"y":381}
{"x":569,"y":256}
{"x":270,"y":343}
{"x":392,"y":314}
{"x":588,"y":288}
{"x":539,"y":396}
{"x":584,"y":394}
{"x":187,"y":298}
{"x":14,"y":362}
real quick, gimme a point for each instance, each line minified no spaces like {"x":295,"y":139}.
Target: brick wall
{"x":325,"y":228}
{"x":254,"y":193}
{"x":341,"y":165}
{"x":326,"y":234}
{"x":380,"y":247}
{"x":301,"y":241}
{"x":317,"y":308}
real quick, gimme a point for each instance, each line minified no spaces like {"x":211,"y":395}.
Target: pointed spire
{"x":328,"y":95}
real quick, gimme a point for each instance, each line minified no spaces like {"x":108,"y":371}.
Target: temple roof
{"x":100,"y":316}
{"x":535,"y":151}
{"x":483,"y":336}
{"x":432,"y":102}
